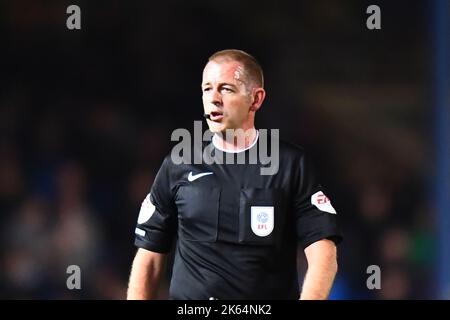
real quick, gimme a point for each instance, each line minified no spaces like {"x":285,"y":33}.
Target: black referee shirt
{"x":237,"y":230}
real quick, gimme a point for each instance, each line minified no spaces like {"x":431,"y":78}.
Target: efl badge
{"x":262,"y":220}
{"x":321,"y":201}
{"x":147,"y":210}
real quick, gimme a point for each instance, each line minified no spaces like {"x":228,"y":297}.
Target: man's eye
{"x":227,"y":89}
{"x":206,"y":89}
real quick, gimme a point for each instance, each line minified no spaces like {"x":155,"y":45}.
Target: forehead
{"x":229,"y":71}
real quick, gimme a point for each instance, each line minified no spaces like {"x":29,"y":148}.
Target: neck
{"x":235,"y":140}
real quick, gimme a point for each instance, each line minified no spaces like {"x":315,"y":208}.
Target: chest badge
{"x":262,"y":220}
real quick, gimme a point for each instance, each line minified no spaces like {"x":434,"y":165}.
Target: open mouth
{"x":216,"y":116}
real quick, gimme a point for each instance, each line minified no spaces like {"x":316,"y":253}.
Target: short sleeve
{"x":156,"y":225}
{"x":316,"y":219}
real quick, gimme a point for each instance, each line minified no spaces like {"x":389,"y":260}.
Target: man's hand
{"x":322,"y":268}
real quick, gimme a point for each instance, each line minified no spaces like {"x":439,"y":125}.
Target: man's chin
{"x":217,"y":127}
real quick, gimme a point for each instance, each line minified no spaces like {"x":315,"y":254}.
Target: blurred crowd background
{"x":86,"y":117}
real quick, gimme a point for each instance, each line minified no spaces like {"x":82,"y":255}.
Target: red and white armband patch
{"x":147,"y":210}
{"x":322,"y":202}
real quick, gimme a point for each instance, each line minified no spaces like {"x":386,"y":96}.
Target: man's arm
{"x":145,"y":275}
{"x":322,"y":268}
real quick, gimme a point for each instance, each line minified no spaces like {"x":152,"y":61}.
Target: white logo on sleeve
{"x":322,"y":202}
{"x":262,"y":220}
{"x":147,"y":210}
{"x":140,"y":232}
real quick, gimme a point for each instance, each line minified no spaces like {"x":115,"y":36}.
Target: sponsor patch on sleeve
{"x":147,"y":210}
{"x":322,"y":202}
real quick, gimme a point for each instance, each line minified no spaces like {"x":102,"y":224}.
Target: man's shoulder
{"x":291,"y":149}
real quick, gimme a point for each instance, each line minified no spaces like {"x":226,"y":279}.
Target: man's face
{"x":225,"y":96}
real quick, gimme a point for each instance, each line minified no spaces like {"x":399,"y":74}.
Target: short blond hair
{"x":252,"y":68}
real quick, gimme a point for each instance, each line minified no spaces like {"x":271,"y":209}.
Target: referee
{"x":236,"y":230}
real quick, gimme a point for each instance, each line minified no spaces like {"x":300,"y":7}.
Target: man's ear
{"x":258,"y":97}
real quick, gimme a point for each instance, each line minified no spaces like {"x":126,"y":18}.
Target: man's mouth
{"x":216,"y":116}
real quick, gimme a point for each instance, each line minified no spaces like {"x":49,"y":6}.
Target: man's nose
{"x":215,"y":98}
